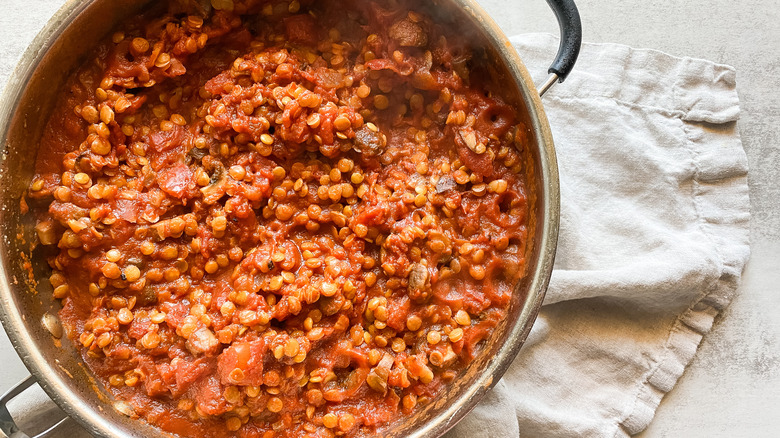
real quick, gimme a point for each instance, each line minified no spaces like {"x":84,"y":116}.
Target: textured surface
{"x":731,"y":387}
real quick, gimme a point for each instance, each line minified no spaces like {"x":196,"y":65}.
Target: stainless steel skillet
{"x":28,"y":312}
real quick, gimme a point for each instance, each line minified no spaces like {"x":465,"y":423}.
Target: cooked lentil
{"x":265,"y":221}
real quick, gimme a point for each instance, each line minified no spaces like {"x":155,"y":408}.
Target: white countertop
{"x":731,"y":388}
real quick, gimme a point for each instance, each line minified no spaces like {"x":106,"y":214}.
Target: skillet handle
{"x":8,"y":425}
{"x":571,"y":40}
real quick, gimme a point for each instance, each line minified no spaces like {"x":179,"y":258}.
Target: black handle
{"x":571,"y":37}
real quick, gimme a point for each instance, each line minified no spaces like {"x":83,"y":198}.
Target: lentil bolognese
{"x":294,"y":218}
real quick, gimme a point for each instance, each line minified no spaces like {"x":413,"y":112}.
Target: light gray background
{"x":732,"y":388}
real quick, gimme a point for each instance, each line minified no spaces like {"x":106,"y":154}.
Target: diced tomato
{"x":139,"y":327}
{"x":127,"y":209}
{"x":397,"y":312}
{"x":247,"y":357}
{"x":178,"y":181}
{"x":209,"y":396}
{"x":163,"y":140}
{"x":188,"y":372}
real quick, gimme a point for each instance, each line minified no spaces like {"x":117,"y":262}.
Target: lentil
{"x":462,"y":317}
{"x":330,"y":420}
{"x":414,"y":323}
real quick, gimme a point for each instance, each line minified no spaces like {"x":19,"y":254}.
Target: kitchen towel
{"x":653,"y":239}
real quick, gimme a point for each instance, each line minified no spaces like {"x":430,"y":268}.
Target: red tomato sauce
{"x":281,"y":219}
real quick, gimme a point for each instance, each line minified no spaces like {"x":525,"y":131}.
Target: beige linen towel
{"x":654,"y":236}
